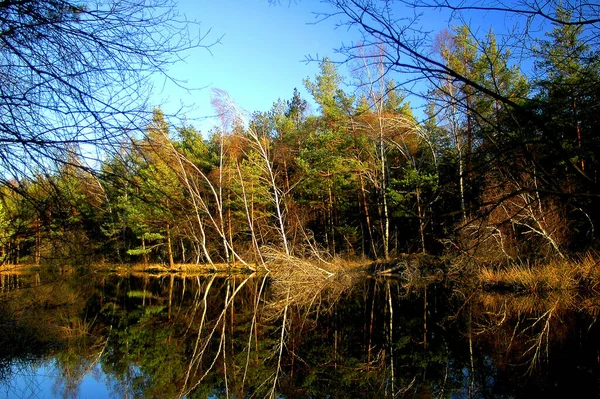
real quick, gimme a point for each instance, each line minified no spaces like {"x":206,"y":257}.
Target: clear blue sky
{"x":260,"y":58}
{"x":262,"y":54}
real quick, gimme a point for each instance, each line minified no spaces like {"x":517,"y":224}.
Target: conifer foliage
{"x":498,"y":162}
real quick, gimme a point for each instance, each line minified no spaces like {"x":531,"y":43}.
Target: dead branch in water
{"x":309,"y":284}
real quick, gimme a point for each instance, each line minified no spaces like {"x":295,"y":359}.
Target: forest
{"x":417,"y":218}
{"x":497,"y":164}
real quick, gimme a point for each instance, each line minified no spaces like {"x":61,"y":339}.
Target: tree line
{"x":501,"y":166}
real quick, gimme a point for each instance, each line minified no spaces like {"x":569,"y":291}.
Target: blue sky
{"x":262,"y":54}
{"x":260,"y":58}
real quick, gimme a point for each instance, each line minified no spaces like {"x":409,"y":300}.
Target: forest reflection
{"x":175,"y":336}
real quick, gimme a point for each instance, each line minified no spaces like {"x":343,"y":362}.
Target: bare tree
{"x":75,"y":76}
{"x":585,"y":13}
{"x":228,"y":110}
{"x":398,"y":27}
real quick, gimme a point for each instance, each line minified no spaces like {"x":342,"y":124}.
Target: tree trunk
{"x":144,"y":255}
{"x":183,"y":261}
{"x":367,"y":214}
{"x":579,"y":141}
{"x":169,"y":246}
{"x":386,"y":218}
{"x":331,"y":226}
{"x":38,"y":242}
{"x":421,"y":219}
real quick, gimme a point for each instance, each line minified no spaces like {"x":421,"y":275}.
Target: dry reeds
{"x":530,"y":278}
{"x":554,"y":275}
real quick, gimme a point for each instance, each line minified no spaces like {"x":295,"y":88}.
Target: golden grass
{"x":554,"y":275}
{"x":178,"y":268}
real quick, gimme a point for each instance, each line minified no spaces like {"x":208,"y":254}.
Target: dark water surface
{"x":145,"y":336}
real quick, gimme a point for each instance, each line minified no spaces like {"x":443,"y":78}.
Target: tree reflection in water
{"x":174,"y":336}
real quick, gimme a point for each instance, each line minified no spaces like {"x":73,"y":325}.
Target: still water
{"x":172,"y":336}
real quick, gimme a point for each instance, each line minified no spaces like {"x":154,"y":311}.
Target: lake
{"x":101,"y":335}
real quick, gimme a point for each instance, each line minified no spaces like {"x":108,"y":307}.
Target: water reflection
{"x":173,"y":336}
{"x":46,"y":380}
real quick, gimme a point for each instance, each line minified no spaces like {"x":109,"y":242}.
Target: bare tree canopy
{"x":78,"y":73}
{"x":584,"y":13}
{"x":410,"y":49}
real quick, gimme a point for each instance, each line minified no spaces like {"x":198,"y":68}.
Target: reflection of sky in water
{"x":45,"y":381}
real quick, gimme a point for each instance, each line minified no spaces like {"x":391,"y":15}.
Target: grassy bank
{"x":582,"y":273}
{"x":417,"y":270}
{"x":277,"y":263}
